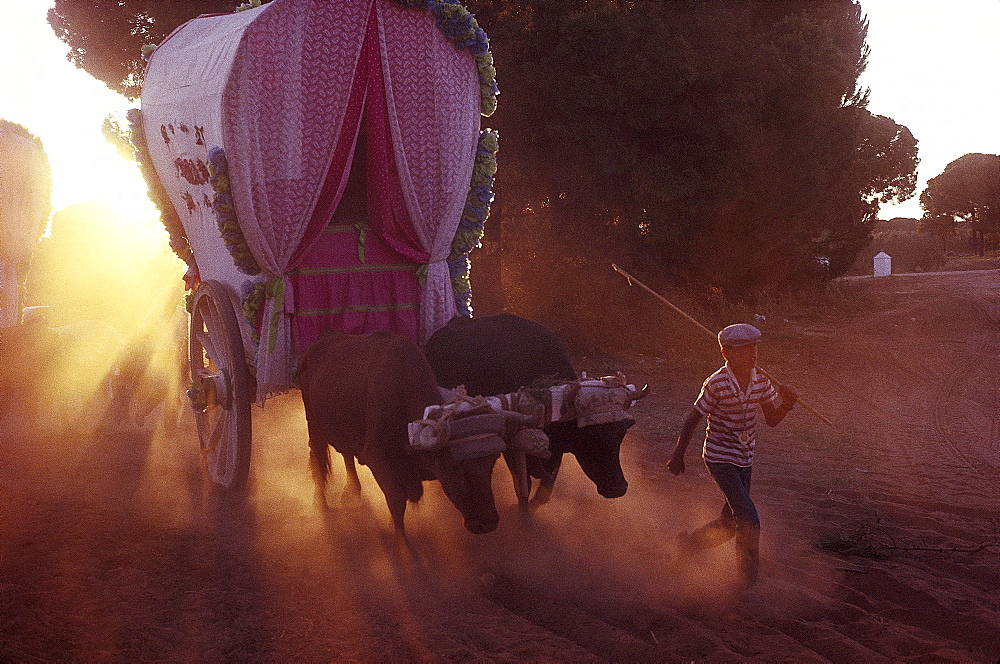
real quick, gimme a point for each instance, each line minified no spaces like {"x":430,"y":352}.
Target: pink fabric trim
{"x":380,"y":294}
{"x":386,"y":204}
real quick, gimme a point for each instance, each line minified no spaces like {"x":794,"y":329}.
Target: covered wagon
{"x":319,"y":164}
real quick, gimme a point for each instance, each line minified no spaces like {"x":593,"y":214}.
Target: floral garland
{"x":157,"y":194}
{"x":473,"y":221}
{"x":460,"y":25}
{"x":254,"y":293}
{"x":225,"y":213}
{"x":253,"y":4}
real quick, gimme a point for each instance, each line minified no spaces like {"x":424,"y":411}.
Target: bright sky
{"x":933,"y":67}
{"x":65,"y":107}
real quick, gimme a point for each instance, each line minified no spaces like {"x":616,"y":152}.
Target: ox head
{"x":464,"y":466}
{"x":468,"y":485}
{"x":596,"y":448}
{"x":595,"y":436}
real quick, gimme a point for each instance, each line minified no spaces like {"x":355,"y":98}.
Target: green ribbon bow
{"x":362,"y":238}
{"x":275,"y":290}
{"x":423,"y":269}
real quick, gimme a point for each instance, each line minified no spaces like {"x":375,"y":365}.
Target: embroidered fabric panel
{"x":427,"y":80}
{"x":336,"y":290}
{"x":284,"y":110}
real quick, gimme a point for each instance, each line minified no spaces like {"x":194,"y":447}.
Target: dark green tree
{"x":968,"y":190}
{"x":875,"y":165}
{"x":943,"y":226}
{"x":106,"y":38}
{"x":725,"y":143}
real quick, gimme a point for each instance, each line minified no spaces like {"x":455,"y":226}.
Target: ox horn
{"x":635,"y":395}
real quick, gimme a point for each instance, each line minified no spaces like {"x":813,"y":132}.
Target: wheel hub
{"x":210,"y":389}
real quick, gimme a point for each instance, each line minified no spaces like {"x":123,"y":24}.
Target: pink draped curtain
{"x":432,"y":110}
{"x":291,"y":113}
{"x":363,"y":279}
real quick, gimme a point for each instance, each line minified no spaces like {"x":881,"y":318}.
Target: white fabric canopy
{"x":182,"y":120}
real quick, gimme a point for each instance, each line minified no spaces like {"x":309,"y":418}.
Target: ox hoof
{"x":616,"y":491}
{"x":481,"y":527}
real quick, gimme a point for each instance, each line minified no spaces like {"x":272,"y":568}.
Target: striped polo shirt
{"x":732,"y":415}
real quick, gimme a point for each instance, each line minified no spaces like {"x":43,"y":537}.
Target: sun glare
{"x":103,"y":290}
{"x":65,"y":108}
{"x":933,"y":68}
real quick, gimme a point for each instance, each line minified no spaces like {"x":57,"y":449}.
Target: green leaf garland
{"x":472,"y":224}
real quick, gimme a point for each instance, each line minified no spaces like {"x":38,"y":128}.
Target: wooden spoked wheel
{"x":221,"y":386}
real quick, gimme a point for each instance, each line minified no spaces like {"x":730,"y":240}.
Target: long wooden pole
{"x":633,"y":280}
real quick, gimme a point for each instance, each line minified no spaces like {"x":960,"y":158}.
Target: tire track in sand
{"x":950,"y":410}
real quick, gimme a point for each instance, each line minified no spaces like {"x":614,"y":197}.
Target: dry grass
{"x":971,"y":263}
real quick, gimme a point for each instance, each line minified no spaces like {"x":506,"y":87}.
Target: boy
{"x":730,"y":398}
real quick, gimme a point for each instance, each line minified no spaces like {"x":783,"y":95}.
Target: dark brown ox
{"x":360,"y":392}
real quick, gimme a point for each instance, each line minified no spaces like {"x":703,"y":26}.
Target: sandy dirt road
{"x":881,"y":534}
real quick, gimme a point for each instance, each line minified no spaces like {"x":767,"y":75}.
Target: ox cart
{"x":318,"y":165}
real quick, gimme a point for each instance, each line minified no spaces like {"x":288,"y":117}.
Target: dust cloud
{"x":97,"y":434}
{"x":104,"y":331}
{"x":580,"y":549}
{"x":114,"y":545}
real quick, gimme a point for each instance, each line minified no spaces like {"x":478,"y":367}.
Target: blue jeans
{"x":738,"y":519}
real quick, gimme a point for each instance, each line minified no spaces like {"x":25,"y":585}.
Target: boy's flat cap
{"x":737,"y":335}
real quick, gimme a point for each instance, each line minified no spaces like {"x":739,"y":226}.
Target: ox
{"x":502,"y":353}
{"x":360,"y":392}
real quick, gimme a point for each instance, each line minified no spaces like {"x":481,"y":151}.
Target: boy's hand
{"x":788,"y":395}
{"x":676,"y":464}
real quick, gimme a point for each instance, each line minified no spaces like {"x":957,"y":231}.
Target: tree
{"x":968,"y":190}
{"x":880,"y":169}
{"x":724,"y":143}
{"x":115,"y":133}
{"x":106,"y":38}
{"x":940,"y":225}
{"x":45,"y":176}
{"x":25,"y":206}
